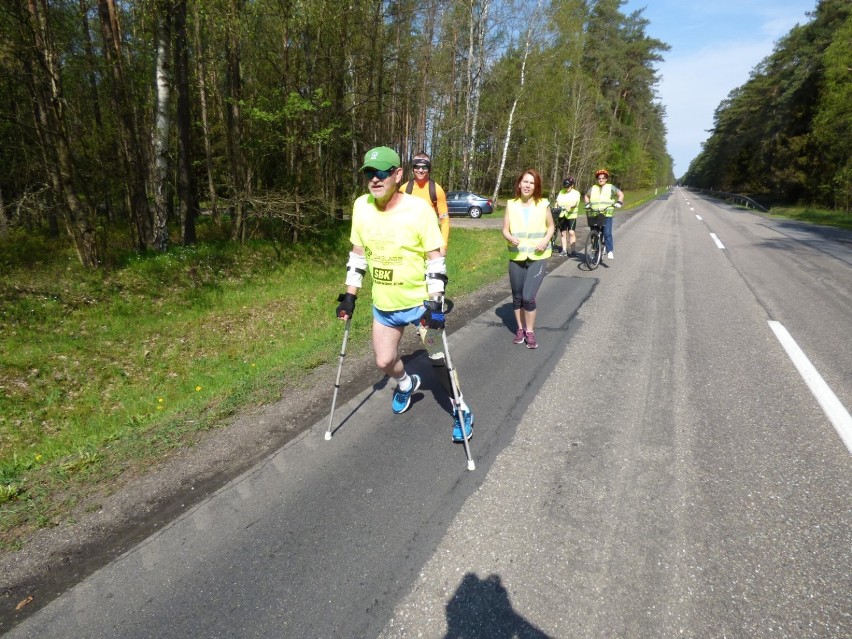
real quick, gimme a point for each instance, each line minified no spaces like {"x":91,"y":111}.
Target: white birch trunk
{"x":477,"y":92}
{"x":466,"y":145}
{"x":575,"y":121}
{"x":161,"y":130}
{"x":555,"y":177}
{"x":515,"y":104}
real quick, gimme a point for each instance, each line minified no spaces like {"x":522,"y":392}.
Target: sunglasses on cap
{"x":376,"y":173}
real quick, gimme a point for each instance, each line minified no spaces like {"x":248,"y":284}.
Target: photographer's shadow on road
{"x":480,"y":609}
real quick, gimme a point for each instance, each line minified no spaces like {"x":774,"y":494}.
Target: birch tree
{"x":162,"y":126}
{"x":518,"y":94}
{"x":478,"y":25}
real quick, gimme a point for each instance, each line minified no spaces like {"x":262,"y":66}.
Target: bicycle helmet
{"x":600,"y":172}
{"x":569,"y":181}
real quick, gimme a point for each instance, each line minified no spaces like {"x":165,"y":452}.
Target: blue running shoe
{"x":468,"y":426}
{"x":402,"y":399}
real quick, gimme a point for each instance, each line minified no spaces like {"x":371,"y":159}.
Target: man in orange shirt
{"x":425,"y":187}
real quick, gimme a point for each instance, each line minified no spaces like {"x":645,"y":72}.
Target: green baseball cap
{"x":381,"y":158}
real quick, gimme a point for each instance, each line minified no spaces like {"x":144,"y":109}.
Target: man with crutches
{"x":394,"y":235}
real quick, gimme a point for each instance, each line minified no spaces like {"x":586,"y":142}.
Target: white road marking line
{"x":698,"y":216}
{"x":834,"y":410}
{"x":717,"y":240}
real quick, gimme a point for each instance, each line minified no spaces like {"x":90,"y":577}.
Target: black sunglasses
{"x":376,"y":173}
{"x":421,"y":167}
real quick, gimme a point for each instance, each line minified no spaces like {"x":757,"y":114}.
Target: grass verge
{"x":838,"y":219}
{"x":103,"y":375}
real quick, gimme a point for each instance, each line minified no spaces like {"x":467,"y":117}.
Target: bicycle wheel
{"x":593,"y":249}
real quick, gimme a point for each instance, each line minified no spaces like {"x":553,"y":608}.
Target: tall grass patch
{"x":108,"y":372}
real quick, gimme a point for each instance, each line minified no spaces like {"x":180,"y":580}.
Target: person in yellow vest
{"x":395,"y":237}
{"x":602,"y":197}
{"x":527,"y":227}
{"x":568,"y":201}
{"x":425,"y":187}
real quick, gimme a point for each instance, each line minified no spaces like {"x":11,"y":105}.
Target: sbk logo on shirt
{"x":382,"y":274}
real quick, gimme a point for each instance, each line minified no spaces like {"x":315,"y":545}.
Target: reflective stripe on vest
{"x":530,"y":234}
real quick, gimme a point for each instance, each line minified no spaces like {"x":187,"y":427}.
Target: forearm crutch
{"x":337,"y":381}
{"x":461,"y":406}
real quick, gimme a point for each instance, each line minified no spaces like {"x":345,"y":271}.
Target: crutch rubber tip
{"x":471,"y":465}
{"x":327,"y":436}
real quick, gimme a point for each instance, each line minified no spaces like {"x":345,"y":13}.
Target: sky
{"x":715,"y":44}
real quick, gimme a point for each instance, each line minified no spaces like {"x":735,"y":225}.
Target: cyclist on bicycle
{"x":568,"y":201}
{"x":601,"y":198}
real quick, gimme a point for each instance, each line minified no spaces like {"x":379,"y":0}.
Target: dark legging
{"x":525,"y":279}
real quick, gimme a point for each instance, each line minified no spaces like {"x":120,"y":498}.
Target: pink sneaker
{"x":531,"y":341}
{"x":519,"y":336}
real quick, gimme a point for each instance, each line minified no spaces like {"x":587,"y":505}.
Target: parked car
{"x":467,"y":203}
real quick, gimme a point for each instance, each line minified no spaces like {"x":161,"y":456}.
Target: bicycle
{"x":595,"y":246}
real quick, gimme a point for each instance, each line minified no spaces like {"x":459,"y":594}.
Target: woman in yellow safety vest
{"x":601,"y":198}
{"x":527,"y":227}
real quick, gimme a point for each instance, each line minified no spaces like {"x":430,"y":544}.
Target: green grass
{"x":104,"y":374}
{"x":640,"y":196}
{"x":838,"y":219}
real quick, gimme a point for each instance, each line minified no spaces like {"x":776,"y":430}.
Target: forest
{"x":784,"y":136}
{"x":123,"y":125}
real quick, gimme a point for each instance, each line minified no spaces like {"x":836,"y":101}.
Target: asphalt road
{"x":657,"y":468}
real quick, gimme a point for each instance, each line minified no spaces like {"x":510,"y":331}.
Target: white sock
{"x":404,"y":382}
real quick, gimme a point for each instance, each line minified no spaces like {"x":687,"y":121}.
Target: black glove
{"x":588,"y":206}
{"x":618,"y":205}
{"x":347,"y":304}
{"x":434,"y":316}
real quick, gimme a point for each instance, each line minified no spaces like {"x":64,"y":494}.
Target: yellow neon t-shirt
{"x":395,"y":243}
{"x":570,"y":203}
